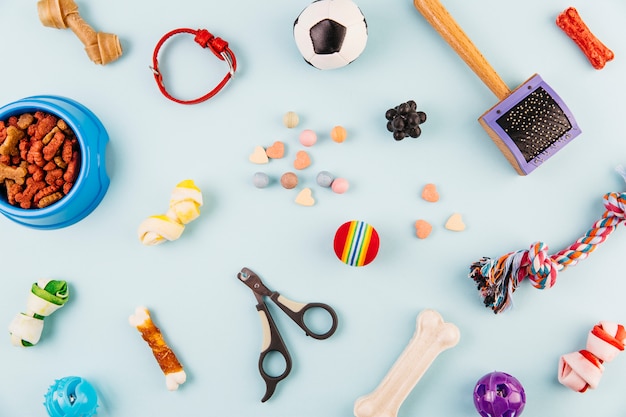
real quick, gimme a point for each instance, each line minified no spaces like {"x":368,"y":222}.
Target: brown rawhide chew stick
{"x":596,"y":52}
{"x":101,"y":48}
{"x":174,"y":373}
{"x":432,"y":336}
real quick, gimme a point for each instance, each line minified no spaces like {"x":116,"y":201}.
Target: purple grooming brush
{"x":529,"y":124}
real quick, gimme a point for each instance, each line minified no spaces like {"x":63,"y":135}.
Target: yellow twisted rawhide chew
{"x":101,"y":48}
{"x":185,"y":203}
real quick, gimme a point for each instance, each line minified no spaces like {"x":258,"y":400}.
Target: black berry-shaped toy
{"x":404,"y":120}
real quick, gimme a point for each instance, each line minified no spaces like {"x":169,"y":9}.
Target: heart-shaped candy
{"x":259,"y":156}
{"x":430,"y":194}
{"x":455,"y":223}
{"x":305,"y":198}
{"x":423,"y":229}
{"x":276,"y":151}
{"x":302,"y":160}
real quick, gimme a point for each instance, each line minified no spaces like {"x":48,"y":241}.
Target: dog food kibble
{"x":308,"y":137}
{"x":324,"y":179}
{"x":260,"y":180}
{"x":338,"y":134}
{"x":39,"y":159}
{"x":289,"y":180}
{"x":291,"y":119}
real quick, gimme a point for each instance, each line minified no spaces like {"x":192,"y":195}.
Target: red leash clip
{"x":205,"y":39}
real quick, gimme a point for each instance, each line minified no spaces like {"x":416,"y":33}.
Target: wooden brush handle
{"x":101,"y":48}
{"x":439,"y":18}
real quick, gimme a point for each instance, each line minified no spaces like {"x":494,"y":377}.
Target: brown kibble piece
{"x":49,"y":199}
{"x":10,"y":146}
{"x":430,"y":194}
{"x":16,"y":174}
{"x":53,"y":146}
{"x":25,"y":120}
{"x":423,"y":229}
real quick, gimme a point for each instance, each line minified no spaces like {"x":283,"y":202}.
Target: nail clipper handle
{"x":272,"y":342}
{"x":297,"y":311}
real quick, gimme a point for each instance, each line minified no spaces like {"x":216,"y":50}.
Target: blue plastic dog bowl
{"x":92,"y":181}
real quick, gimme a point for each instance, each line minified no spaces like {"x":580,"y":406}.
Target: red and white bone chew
{"x":173,"y":370}
{"x":432,"y":336}
{"x":583,"y":369}
{"x":570,"y":22}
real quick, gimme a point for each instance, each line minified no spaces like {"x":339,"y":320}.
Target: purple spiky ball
{"x":499,"y":394}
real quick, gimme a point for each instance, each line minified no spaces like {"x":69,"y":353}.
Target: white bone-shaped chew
{"x":432,"y":336}
{"x":174,"y":373}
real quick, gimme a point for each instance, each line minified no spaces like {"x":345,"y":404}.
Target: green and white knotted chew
{"x":45,"y":297}
{"x":184,"y":207}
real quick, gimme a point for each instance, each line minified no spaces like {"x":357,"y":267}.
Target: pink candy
{"x":308,"y":137}
{"x":340,"y":185}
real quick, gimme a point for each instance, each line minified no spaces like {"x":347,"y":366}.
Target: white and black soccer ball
{"x":330,"y":33}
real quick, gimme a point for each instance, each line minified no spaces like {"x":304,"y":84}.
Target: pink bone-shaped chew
{"x":583,"y":369}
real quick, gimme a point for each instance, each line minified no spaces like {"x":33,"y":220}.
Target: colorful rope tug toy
{"x":45,"y":297}
{"x":497,"y":279}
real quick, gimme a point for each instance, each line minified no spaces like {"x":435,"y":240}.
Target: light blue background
{"x":208,"y":317}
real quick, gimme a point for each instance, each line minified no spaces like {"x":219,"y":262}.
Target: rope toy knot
{"x":542,"y":269}
{"x":615,"y":204}
{"x":497,"y":279}
{"x":184,"y":207}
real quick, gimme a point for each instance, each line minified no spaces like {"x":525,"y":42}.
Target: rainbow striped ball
{"x":356,"y":243}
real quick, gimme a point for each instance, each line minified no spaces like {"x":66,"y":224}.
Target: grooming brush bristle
{"x":535,"y":123}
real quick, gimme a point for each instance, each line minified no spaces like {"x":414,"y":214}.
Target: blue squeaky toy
{"x":71,"y":396}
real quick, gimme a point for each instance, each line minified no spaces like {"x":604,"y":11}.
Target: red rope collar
{"x":205,"y":39}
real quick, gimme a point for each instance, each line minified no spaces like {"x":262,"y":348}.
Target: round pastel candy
{"x":260,"y":180}
{"x":308,"y":137}
{"x":356,"y":243}
{"x":291,"y":119}
{"x":325,"y":179}
{"x":338,"y":134}
{"x":289,"y":180}
{"x":340,"y":185}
